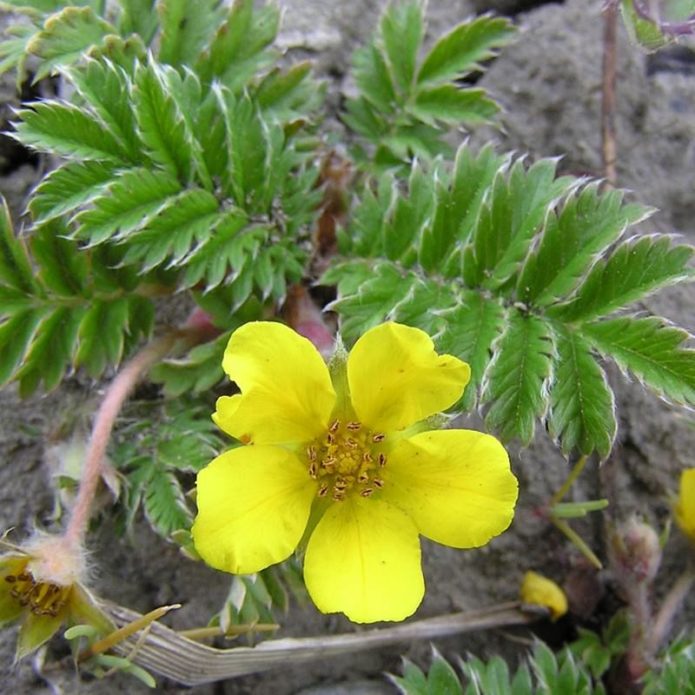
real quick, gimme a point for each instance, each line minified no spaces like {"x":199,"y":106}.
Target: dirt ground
{"x":549,"y":85}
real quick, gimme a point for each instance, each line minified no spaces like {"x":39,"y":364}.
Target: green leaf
{"x":198,"y":371}
{"x":650,"y":350}
{"x":187,"y":26}
{"x":63,"y":129}
{"x":402,"y":28}
{"x":442,"y":678}
{"x":287,"y":93}
{"x":15,"y":266}
{"x":62,"y":268}
{"x":107,"y":89}
{"x":642,"y":31}
{"x":582,"y":407}
{"x":237,"y":50}
{"x":164,"y":503}
{"x":588,"y":222}
{"x":463,"y":48}
{"x":634,"y":269}
{"x":517,"y":208}
{"x":452,"y":104}
{"x":66,"y":37}
{"x":68,"y":187}
{"x":138,"y":17}
{"x":471,"y":330}
{"x":127,"y":204}
{"x":518,"y":377}
{"x":458,"y":208}
{"x":16,"y":334}
{"x":161,"y":123}
{"x":187,"y":219}
{"x":374,"y":78}
{"x":51,"y":352}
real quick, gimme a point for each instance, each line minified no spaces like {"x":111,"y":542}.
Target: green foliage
{"x":656,"y":25}
{"x":519,"y":273}
{"x":546,"y":674}
{"x":257,"y":598}
{"x":676,"y":670}
{"x":155,"y":452}
{"x":406,"y":103}
{"x":62,"y":308}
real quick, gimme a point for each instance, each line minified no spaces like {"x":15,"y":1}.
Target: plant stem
{"x":608,"y":146}
{"x":672,"y":603}
{"x":116,"y":395}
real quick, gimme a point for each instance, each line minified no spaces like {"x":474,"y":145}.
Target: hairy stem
{"x":671,"y":605}
{"x":109,"y":409}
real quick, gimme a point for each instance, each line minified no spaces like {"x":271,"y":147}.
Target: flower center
{"x":42,"y":598}
{"x":347,"y":459}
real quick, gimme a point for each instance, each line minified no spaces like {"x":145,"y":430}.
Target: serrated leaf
{"x":517,"y":379}
{"x":463,"y":48}
{"x":221,"y":253}
{"x":424,"y":306}
{"x":458,"y":207}
{"x":127,"y":204}
{"x":237,"y":50}
{"x":280,"y":88}
{"x":442,"y":678}
{"x":63,"y":129}
{"x":106,"y":88}
{"x":187,"y":26}
{"x":13,"y":51}
{"x":373,"y":300}
{"x":62,"y":268}
{"x":15,"y":267}
{"x":401,"y":29}
{"x":582,"y":407}
{"x":650,"y":350}
{"x":101,"y":335}
{"x":50,"y":354}
{"x":453,"y":105}
{"x":187,"y":219}
{"x":66,"y":36}
{"x":518,"y":205}
{"x":470,"y":331}
{"x":634,"y":269}
{"x":374,"y":78}
{"x":164,"y":503}
{"x":138,"y":17}
{"x":588,"y":222}
{"x":16,"y":334}
{"x":69,"y":187}
{"x":161,"y":123}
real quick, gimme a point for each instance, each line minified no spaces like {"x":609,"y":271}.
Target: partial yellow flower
{"x":541,"y":591}
{"x":40,"y":586}
{"x":685,"y":505}
{"x":342,"y":458}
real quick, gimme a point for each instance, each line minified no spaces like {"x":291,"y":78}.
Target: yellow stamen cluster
{"x":347,"y":459}
{"x":42,"y":598}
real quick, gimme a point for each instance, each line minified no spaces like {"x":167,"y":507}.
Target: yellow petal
{"x":685,"y":506}
{"x":253,"y":506}
{"x":363,"y":559}
{"x":397,"y":379}
{"x":286,"y":392}
{"x":456,"y":485}
{"x":541,"y":591}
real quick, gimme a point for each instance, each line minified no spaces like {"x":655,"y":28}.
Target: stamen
{"x":378,"y":482}
{"x":378,"y":437}
{"x":313,"y":469}
{"x":382,"y":460}
{"x":367,"y":457}
{"x":334,"y":427}
{"x":367,"y":492}
{"x":323,"y":489}
{"x":330,"y":438}
{"x":354,"y":426}
{"x":311,"y":453}
{"x":351,"y":443}
{"x":363,"y":477}
{"x":10,"y":579}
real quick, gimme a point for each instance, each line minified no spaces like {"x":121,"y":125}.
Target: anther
{"x":323,"y":490}
{"x":378,"y":482}
{"x":351,"y":443}
{"x":367,"y":457}
{"x":382,"y":460}
{"x":354,"y":426}
{"x":378,"y":437}
{"x":10,"y":579}
{"x":313,"y":469}
{"x":334,"y":427}
{"x":25,"y":577}
{"x":311,"y":453}
{"x":366,"y":492}
{"x":363,"y":477}
{"x":330,"y":438}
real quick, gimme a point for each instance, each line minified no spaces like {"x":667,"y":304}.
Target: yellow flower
{"x":342,"y":458}
{"x":40,"y":586}
{"x":541,"y":591}
{"x":685,"y":505}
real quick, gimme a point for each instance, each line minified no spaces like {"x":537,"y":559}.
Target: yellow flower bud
{"x":541,"y":591}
